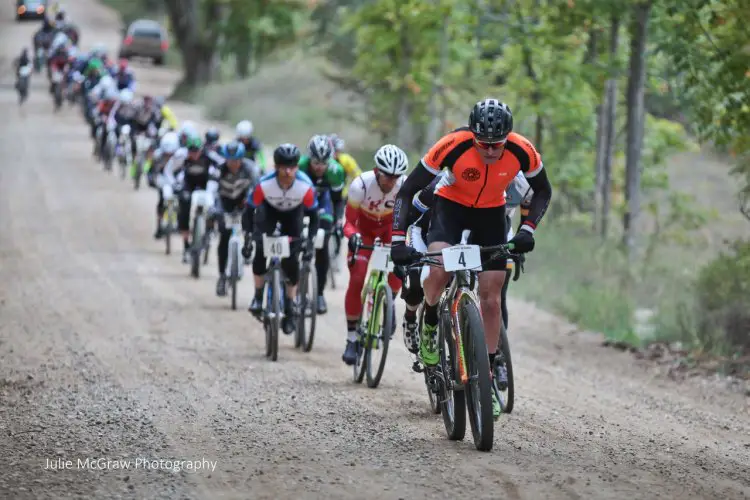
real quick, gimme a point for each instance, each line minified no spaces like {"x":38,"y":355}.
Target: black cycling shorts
{"x":487,"y":226}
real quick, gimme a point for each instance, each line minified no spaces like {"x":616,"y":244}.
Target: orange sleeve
{"x":528,"y":157}
{"x":439,"y":155}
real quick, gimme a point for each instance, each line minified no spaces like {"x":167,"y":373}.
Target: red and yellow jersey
{"x":471,"y":182}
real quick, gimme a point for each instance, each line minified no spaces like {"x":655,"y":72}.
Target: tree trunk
{"x":242,"y":56}
{"x":195,"y":25}
{"x":635,"y":122}
{"x":606,"y":137}
{"x":435,"y":126}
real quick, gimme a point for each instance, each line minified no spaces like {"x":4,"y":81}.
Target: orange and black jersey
{"x":472,"y":183}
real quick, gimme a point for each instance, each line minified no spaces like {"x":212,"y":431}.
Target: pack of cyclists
{"x":474,"y":178}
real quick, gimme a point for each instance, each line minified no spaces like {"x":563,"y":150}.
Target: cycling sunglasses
{"x":286,"y":167}
{"x":489,"y":144}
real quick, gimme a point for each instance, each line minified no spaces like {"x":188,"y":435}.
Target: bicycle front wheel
{"x":196,"y":246}
{"x":378,"y":335}
{"x":274,"y":313}
{"x":452,"y":402}
{"x":234,"y":271}
{"x":479,"y":388}
{"x":308,"y":312}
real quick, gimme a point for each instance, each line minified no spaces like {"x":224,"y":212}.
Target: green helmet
{"x":193,"y":143}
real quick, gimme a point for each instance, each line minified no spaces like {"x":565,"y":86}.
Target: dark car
{"x":30,"y":9}
{"x":145,"y":38}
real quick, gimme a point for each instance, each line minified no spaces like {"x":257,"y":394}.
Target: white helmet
{"x":107,"y":81}
{"x":126,"y":96}
{"x":337,"y":142}
{"x":188,"y":129}
{"x":319,"y":148}
{"x":244,"y":129}
{"x":391,"y":160}
{"x":99,"y":50}
{"x":110,"y":93}
{"x":170,"y":143}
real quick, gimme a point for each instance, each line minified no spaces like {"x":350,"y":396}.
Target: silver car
{"x":145,"y":38}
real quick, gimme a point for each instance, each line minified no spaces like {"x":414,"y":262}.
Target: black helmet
{"x":212,"y":136}
{"x":491,"y":120}
{"x":286,"y":154}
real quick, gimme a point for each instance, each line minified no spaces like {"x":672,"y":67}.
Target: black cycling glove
{"x":522,"y":242}
{"x":403,"y":255}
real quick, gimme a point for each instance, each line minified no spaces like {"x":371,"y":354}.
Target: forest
{"x":624,"y":100}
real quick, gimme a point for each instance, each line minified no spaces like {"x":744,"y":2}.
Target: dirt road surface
{"x":109,"y":350}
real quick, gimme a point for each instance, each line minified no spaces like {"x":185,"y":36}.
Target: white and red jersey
{"x":369,"y":211}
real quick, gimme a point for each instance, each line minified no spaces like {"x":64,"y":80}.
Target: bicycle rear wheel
{"x":504,"y":392}
{"x":167,"y":234}
{"x":196,"y":245}
{"x":378,"y":335}
{"x":360,"y":366}
{"x":478,"y":391}
{"x":452,"y":402}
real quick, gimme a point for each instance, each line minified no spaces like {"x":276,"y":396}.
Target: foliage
{"x":723,"y":298}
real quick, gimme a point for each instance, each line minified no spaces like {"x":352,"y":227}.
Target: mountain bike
{"x":22,"y":82}
{"x":378,"y":315}
{"x":169,"y":217}
{"x":463,"y":379}
{"x":307,"y":291}
{"x":201,"y":200}
{"x":235,"y":262}
{"x":275,"y":248}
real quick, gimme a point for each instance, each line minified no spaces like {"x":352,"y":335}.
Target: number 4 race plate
{"x":461,"y":258}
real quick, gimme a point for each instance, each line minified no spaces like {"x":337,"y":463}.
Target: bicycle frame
{"x":377,"y":279}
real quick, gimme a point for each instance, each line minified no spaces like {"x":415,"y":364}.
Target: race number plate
{"x":57,"y":77}
{"x":381,"y":259}
{"x":25,"y":70}
{"x":232,"y":219}
{"x":462,"y":257}
{"x":320,"y":238}
{"x":276,"y":246}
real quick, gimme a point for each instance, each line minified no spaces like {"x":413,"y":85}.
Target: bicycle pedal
{"x":417,"y":367}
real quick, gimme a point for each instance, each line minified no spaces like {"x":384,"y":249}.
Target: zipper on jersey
{"x":486,"y":176}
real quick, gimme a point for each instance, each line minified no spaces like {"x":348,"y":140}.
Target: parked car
{"x":145,"y":38}
{"x":30,"y":9}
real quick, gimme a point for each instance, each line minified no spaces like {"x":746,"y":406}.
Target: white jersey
{"x":372,"y":208}
{"x":269,"y":191}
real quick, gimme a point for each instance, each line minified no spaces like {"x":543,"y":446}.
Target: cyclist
{"x":286,"y":195}
{"x":212,"y":140}
{"x":187,"y":130}
{"x":347,"y":161}
{"x":104,"y":109}
{"x":253,"y":147}
{"x":369,"y":215}
{"x":482,"y":161}
{"x":124,"y":76}
{"x":145,"y":122}
{"x":168,"y":146}
{"x":194,"y":172}
{"x":418,"y":221}
{"x":123,"y":113}
{"x":328,"y":177}
{"x":235,"y":180}
{"x":352,"y":171}
{"x":167,"y":118}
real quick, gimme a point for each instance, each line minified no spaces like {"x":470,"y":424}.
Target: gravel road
{"x":109,"y":350}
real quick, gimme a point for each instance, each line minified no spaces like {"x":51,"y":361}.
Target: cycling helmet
{"x":126,"y":96}
{"x":194,"y":144}
{"x":286,"y":154}
{"x":212,"y":136}
{"x":110,"y":94}
{"x":319,"y":148}
{"x":391,"y":160}
{"x":169,"y":143}
{"x":337,"y":143}
{"x":244,"y":129}
{"x":235,"y":150}
{"x":159,"y":101}
{"x":122,"y":64}
{"x":99,"y":50}
{"x":188,"y":129}
{"x":491,"y":120}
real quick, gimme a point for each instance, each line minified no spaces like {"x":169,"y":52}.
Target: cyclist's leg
{"x":263,"y":225}
{"x":353,"y":303}
{"x":183,"y":220}
{"x":159,"y":213}
{"x":322,"y":258}
{"x":222,"y":249}
{"x":489,"y":229}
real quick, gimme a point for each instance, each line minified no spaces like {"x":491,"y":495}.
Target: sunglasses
{"x":286,"y":167}
{"x":490,"y":145}
{"x":390,"y":176}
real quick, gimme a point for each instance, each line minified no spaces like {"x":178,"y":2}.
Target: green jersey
{"x":333,"y":179}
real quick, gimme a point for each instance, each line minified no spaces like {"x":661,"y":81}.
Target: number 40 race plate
{"x":462,"y":257}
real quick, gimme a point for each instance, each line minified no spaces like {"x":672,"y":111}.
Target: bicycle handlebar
{"x":501,"y":251}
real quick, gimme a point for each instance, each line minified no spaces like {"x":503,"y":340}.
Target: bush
{"x":723,"y":301}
